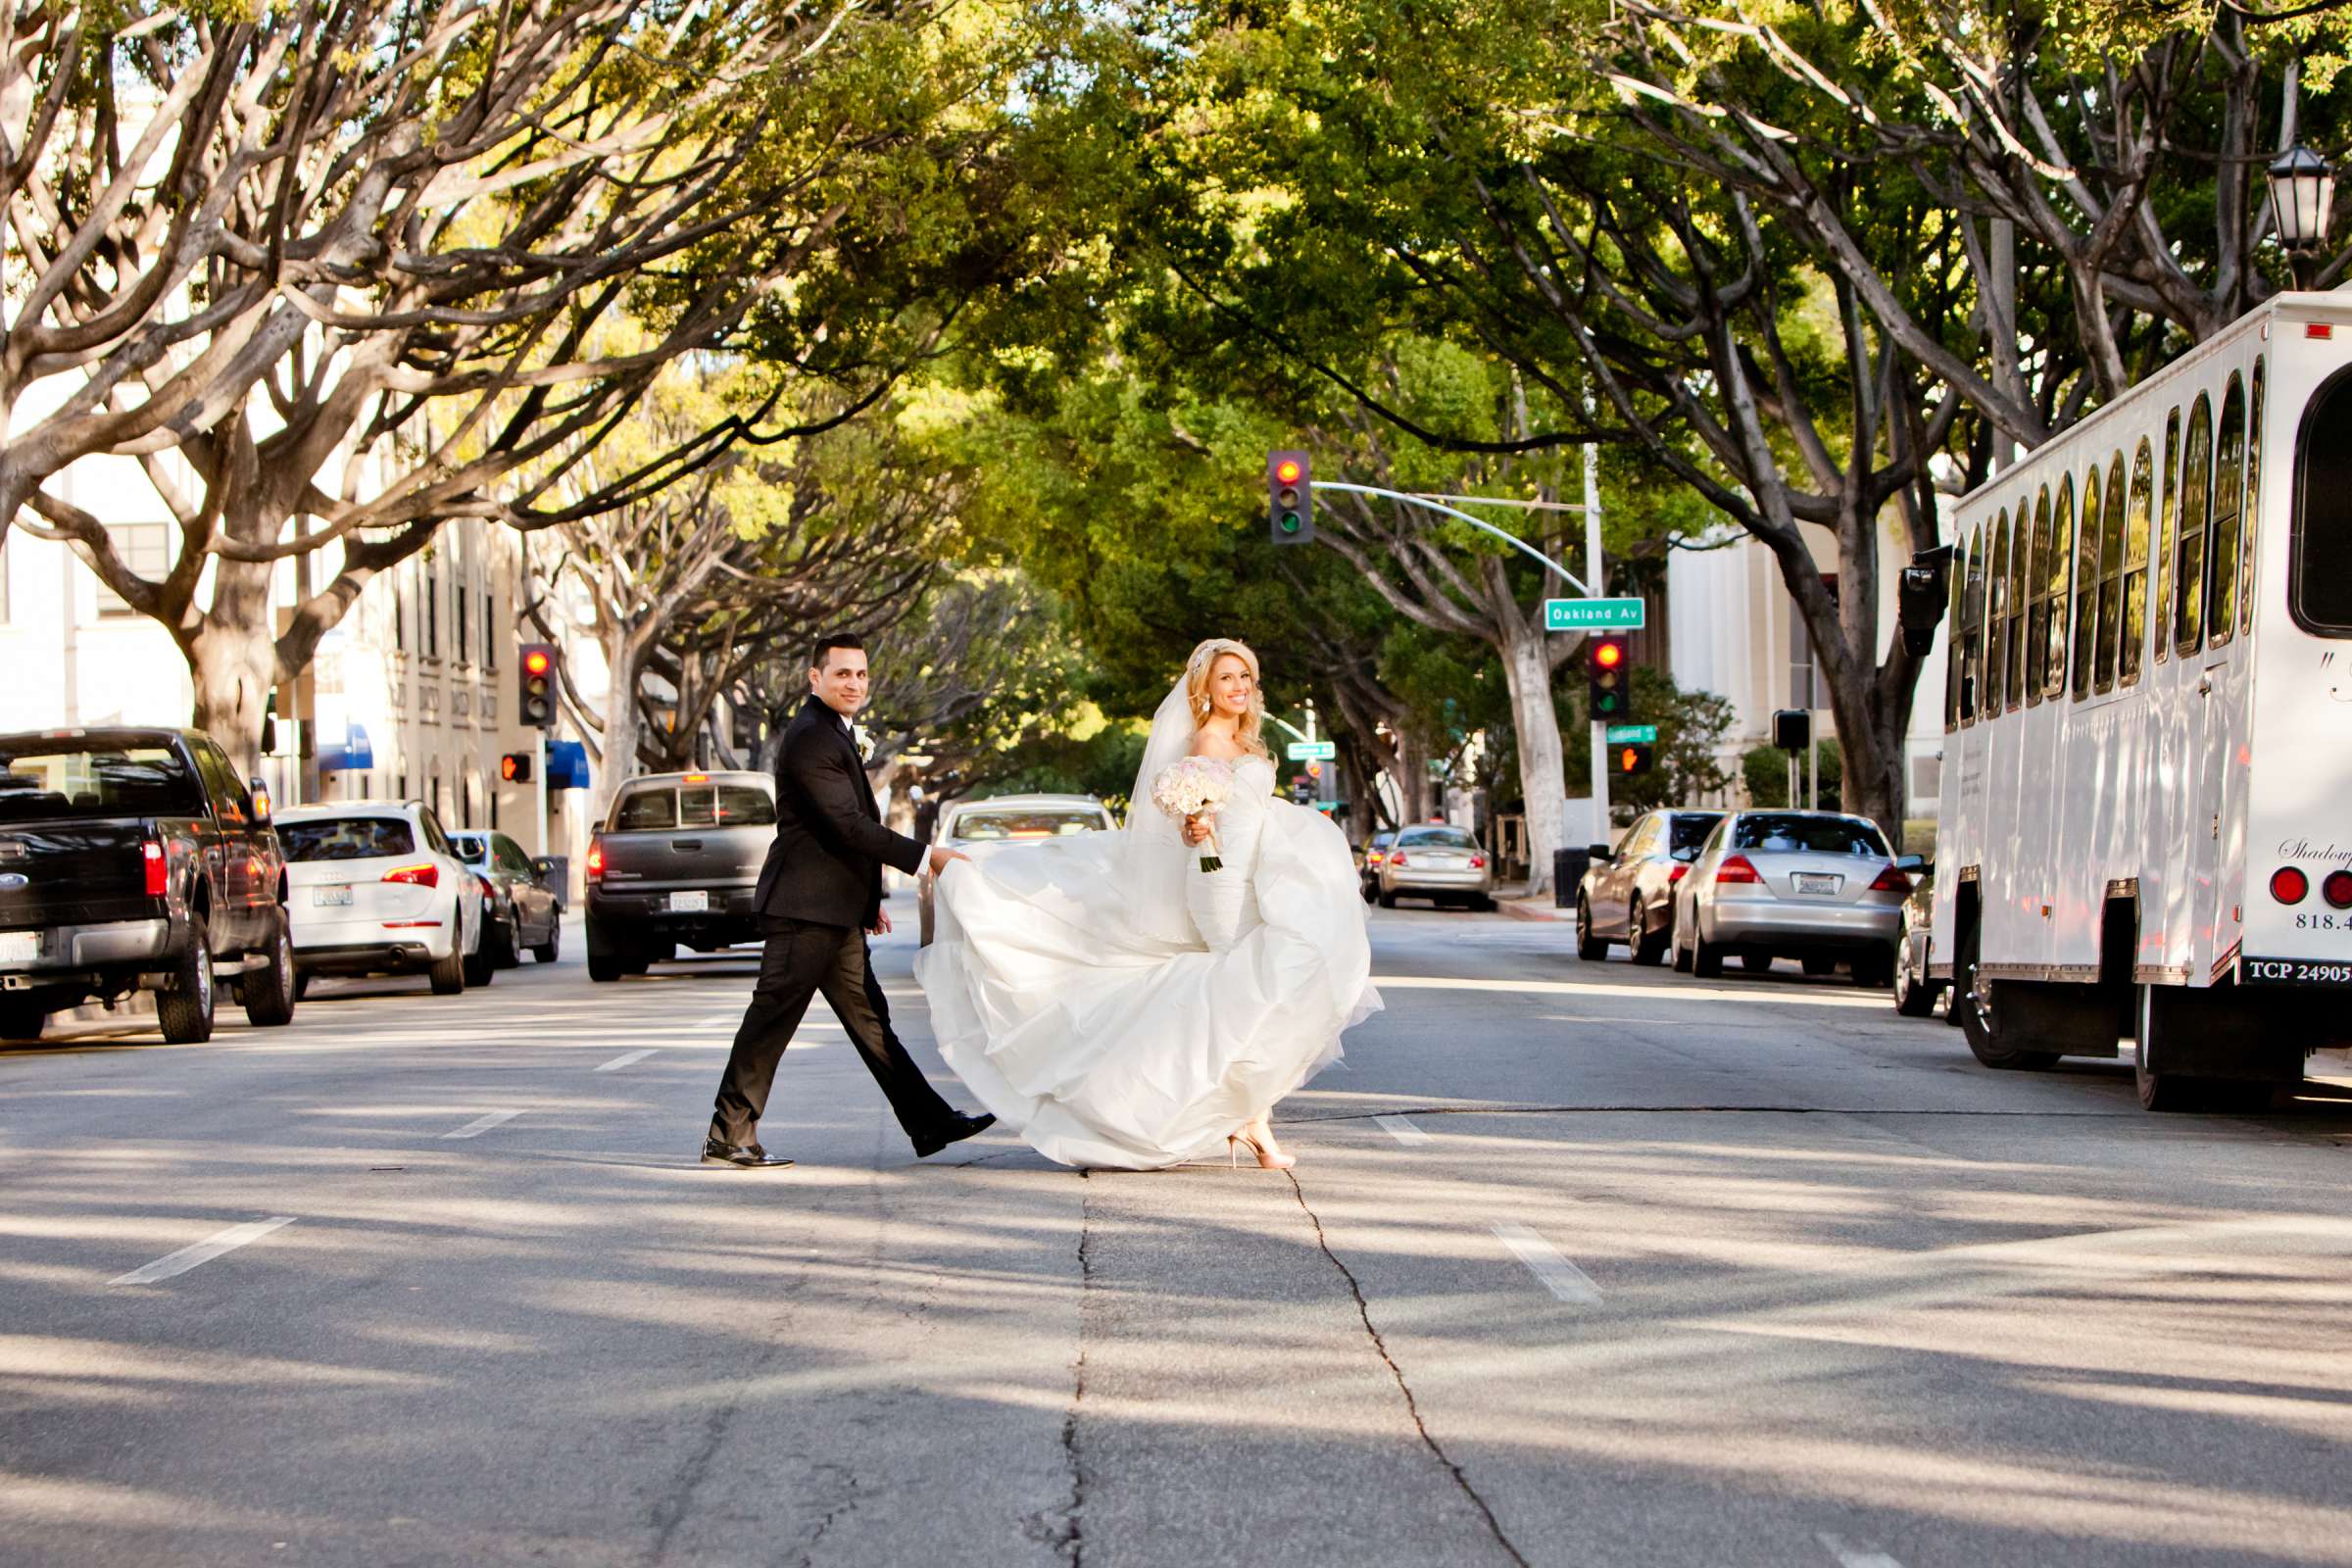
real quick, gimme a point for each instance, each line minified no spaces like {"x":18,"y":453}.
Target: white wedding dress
{"x":1123,"y":1008}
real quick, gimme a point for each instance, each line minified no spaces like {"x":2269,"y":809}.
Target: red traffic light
{"x":1609,"y":655}
{"x":1288,"y":470}
{"x":537,"y":662}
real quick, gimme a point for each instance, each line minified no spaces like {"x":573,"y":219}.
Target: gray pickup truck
{"x":675,"y":862}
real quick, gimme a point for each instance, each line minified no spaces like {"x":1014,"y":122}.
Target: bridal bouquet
{"x":1190,"y":788}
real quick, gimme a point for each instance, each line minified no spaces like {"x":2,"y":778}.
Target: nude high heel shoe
{"x":1267,"y":1159}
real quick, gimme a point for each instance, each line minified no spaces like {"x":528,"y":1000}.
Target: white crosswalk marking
{"x":203,"y":1251}
{"x":625,"y":1060}
{"x":1852,"y":1557}
{"x":1556,"y":1274}
{"x":482,"y":1124}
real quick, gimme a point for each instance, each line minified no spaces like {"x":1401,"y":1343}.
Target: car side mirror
{"x":1914,"y":864}
{"x":1599,"y":854}
{"x":542,"y":868}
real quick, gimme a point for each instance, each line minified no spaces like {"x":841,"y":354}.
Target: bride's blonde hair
{"x":1249,"y":731}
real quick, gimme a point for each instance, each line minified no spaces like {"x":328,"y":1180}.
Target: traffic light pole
{"x":539,"y":783}
{"x":1591,"y":525}
{"x":1592,"y":570}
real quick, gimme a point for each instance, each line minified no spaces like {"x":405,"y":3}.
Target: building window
{"x":146,"y":549}
{"x":432,"y":612}
{"x":399,"y":615}
{"x":490,"y":620}
{"x":458,"y":622}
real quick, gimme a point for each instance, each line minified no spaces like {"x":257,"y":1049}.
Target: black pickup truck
{"x":677,"y":861}
{"x":133,"y":859}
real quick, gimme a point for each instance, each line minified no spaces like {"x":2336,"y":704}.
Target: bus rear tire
{"x":2176,"y":1092}
{"x":1984,"y":1030}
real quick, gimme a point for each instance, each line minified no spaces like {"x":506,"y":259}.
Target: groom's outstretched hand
{"x":941,"y":855}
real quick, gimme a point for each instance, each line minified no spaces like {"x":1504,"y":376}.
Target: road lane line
{"x":1402,"y":1130}
{"x":625,"y":1060}
{"x":203,"y":1251}
{"x":482,"y":1124}
{"x":1556,"y":1273}
{"x":1851,"y":1556}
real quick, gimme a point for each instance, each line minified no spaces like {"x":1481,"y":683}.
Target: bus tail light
{"x":420,"y":876}
{"x":2288,"y":885}
{"x":2336,"y":888}
{"x":1736,"y":868}
{"x":1891,"y":881}
{"x":157,"y":866}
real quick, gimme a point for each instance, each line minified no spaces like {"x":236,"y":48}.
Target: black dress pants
{"x":804,"y":958}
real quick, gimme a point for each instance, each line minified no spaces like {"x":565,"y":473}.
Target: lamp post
{"x":2302,"y":199}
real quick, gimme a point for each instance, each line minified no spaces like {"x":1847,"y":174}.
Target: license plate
{"x":324,"y":897}
{"x":1815,"y":882}
{"x":690,"y":904}
{"x":20,"y":947}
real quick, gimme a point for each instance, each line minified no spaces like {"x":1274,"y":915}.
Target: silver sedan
{"x":1816,"y":886}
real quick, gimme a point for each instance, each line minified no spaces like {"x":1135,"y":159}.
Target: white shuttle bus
{"x":2146,"y":840}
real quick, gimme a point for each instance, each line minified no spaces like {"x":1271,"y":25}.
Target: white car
{"x":375,"y":887}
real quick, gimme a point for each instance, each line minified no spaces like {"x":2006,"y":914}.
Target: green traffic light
{"x":1290,"y":522}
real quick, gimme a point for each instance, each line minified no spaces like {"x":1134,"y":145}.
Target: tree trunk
{"x":1542,"y":773}
{"x":625,"y":656}
{"x":1413,"y":778}
{"x":233,"y":656}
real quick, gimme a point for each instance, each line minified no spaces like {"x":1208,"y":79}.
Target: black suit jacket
{"x":826,"y":862}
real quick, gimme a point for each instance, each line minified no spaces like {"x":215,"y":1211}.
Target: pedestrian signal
{"x":1634,"y":758}
{"x":516,"y":767}
{"x":1609,"y":677}
{"x":538,"y":670}
{"x":1290,"y":498}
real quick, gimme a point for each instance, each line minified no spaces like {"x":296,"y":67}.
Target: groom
{"x":819,"y":896}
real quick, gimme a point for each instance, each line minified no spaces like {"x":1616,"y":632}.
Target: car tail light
{"x":421,"y":876}
{"x":2337,"y":889}
{"x":1375,"y":857}
{"x":596,"y":862}
{"x":156,"y":868}
{"x":488,"y":891}
{"x":1736,"y":868}
{"x":1396,"y":858}
{"x":1478,"y":862}
{"x":1891,"y":880}
{"x":1677,"y":874}
{"x":2288,"y":885}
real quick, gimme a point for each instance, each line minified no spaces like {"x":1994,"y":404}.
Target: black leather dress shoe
{"x":750,"y":1156}
{"x":954,"y":1130}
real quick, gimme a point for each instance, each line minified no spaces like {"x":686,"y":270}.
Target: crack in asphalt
{"x":1412,"y":1406}
{"x":1069,"y":1540}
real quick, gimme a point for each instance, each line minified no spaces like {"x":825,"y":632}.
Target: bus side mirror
{"x":1921,"y":595}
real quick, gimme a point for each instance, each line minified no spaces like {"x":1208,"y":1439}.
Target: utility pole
{"x":1595,"y":580}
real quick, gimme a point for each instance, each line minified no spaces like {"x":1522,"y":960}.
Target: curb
{"x":1534,"y":909}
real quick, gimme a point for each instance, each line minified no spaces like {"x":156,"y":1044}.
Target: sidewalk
{"x":1520,"y":906}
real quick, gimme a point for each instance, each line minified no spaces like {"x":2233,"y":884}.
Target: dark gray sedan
{"x":1816,"y":886}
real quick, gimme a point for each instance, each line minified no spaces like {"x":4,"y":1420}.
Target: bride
{"x":1122,"y":1006}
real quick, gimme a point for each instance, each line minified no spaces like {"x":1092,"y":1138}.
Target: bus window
{"x":2188,"y":565}
{"x":2021,"y":588}
{"x":1996,"y":623}
{"x":2320,"y":532}
{"x":2062,"y":564}
{"x":2086,"y":584}
{"x":1972,"y":661}
{"x":2164,"y":540}
{"x":2037,"y":591}
{"x":2229,"y":514}
{"x":2247,"y":558}
{"x":2111,"y":576}
{"x":2135,"y":568}
{"x":1957,"y":597}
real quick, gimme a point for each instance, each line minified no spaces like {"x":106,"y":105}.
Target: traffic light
{"x":516,"y":767}
{"x":1609,"y":672}
{"x":1792,"y":728}
{"x":1632,"y":759}
{"x":538,"y":673}
{"x":1290,"y":498}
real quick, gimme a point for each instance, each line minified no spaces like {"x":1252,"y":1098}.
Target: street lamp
{"x":2302,"y":199}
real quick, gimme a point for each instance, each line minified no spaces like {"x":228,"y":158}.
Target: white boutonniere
{"x":863,"y":742}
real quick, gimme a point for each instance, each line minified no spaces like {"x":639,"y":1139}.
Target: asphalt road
{"x":1581,"y":1265}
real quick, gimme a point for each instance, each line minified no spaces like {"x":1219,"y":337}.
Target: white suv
{"x":375,"y":887}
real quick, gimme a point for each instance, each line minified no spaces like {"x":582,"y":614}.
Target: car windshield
{"x":1690,"y":830}
{"x":1436,"y":838}
{"x":346,"y":838}
{"x":43,"y":780}
{"x":1026,"y":822}
{"x":1807,"y":835}
{"x":694,"y":805}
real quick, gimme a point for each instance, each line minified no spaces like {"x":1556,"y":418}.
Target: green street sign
{"x":1632,"y":734}
{"x":1593,"y":615}
{"x":1313,"y":751}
